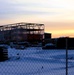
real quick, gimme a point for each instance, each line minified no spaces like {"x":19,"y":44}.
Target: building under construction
{"x":18,"y":32}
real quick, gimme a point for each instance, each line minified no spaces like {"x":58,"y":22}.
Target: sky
{"x":56,"y":15}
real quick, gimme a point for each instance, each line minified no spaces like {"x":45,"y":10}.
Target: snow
{"x":35,"y":61}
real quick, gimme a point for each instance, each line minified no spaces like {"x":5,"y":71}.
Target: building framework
{"x":30,"y":32}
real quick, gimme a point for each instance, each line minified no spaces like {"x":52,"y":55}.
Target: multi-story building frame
{"x":30,"y":32}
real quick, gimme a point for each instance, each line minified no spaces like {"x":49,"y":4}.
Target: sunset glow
{"x":57,"y":15}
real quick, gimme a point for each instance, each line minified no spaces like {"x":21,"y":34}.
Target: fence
{"x":36,"y":61}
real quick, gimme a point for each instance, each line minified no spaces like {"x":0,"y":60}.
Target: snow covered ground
{"x":35,"y":61}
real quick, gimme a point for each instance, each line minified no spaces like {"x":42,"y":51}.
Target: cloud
{"x":52,"y":9}
{"x":57,"y":12}
{"x":11,"y":8}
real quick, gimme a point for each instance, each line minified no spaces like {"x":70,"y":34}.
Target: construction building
{"x":21,"y":32}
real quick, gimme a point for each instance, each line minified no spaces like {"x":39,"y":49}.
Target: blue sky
{"x":55,"y":14}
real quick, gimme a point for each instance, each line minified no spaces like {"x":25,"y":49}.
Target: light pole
{"x":66,"y":56}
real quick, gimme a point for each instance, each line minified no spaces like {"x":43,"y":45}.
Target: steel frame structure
{"x":30,"y":32}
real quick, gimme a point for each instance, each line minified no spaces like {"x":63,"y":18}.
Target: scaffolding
{"x":30,"y":32}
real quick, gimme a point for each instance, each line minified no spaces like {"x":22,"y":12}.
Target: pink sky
{"x":57,"y":15}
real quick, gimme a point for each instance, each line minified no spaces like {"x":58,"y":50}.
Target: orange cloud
{"x":60,"y":29}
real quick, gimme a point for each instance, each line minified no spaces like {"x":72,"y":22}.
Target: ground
{"x":35,"y":61}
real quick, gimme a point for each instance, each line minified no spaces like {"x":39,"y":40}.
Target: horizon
{"x":57,"y":16}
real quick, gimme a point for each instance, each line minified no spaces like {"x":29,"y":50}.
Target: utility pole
{"x":66,"y":56}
